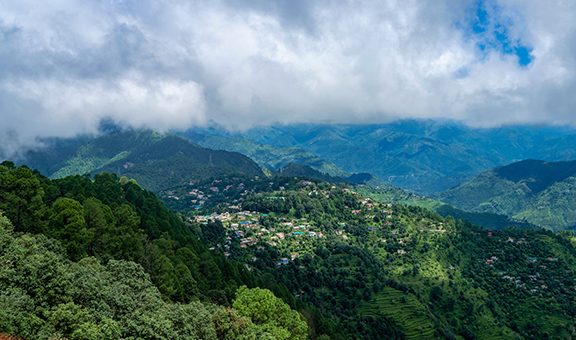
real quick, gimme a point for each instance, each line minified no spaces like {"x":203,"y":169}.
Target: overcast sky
{"x":67,"y":64}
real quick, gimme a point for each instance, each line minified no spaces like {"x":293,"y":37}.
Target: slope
{"x":156,"y":161}
{"x":267,"y":155}
{"x":424,"y":156}
{"x":539,"y":192}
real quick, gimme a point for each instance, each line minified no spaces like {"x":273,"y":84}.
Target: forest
{"x":281,"y":258}
{"x":93,"y":258}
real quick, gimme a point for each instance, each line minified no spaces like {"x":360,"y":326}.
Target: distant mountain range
{"x":539,"y":192}
{"x":423,"y":156}
{"x":156,"y":161}
{"x":268,"y":156}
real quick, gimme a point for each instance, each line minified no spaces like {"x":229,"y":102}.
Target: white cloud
{"x":66,"y":107}
{"x":67,"y":64}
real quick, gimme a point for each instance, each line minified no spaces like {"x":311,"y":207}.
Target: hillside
{"x":102,"y":258}
{"x":156,"y":161}
{"x":539,"y":192}
{"x":382,"y":269}
{"x":305,"y":171}
{"x":352,"y":266}
{"x":267,"y":155}
{"x":387,"y":270}
{"x":425,"y":156}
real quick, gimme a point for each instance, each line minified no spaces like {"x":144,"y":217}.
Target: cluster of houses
{"x":197,"y":196}
{"x":246,"y":229}
{"x":535,"y":282}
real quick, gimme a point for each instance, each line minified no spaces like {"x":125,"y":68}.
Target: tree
{"x":21,"y":198}
{"x":273,"y":316}
{"x":67,"y":223}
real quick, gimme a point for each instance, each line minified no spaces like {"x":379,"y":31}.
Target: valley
{"x":287,"y":170}
{"x":350,"y":253}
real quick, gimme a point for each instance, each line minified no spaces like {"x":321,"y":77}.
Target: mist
{"x":67,"y":65}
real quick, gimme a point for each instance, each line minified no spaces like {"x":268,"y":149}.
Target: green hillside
{"x":424,"y":156}
{"x":102,"y":258}
{"x":305,"y":171}
{"x":388,"y":270}
{"x":538,"y":192}
{"x":267,"y":155}
{"x":403,"y":309}
{"x":156,"y":161}
{"x":351,"y":265}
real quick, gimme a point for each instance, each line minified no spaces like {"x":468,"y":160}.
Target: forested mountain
{"x":101,"y":258}
{"x":395,"y":271}
{"x":389,"y":270}
{"x":421,"y":155}
{"x":352,"y":266}
{"x":305,"y":171}
{"x":539,"y":192}
{"x":156,"y":161}
{"x":267,"y":155}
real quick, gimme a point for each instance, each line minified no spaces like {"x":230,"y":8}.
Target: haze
{"x":66,"y":65}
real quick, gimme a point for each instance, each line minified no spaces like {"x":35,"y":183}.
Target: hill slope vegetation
{"x":156,"y":161}
{"x":539,"y":192}
{"x":424,"y":156}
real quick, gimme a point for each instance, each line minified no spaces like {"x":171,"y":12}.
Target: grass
{"x":405,"y":310}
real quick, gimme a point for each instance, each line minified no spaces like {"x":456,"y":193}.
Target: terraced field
{"x":405,"y":310}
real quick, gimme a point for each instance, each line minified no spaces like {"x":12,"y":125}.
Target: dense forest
{"x":278,"y":257}
{"x":92,"y":258}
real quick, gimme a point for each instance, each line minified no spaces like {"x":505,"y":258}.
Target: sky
{"x":66,"y":65}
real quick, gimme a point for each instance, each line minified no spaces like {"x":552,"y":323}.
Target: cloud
{"x":67,"y":64}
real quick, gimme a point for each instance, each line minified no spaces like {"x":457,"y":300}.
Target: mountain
{"x":101,"y":258}
{"x":156,"y":161}
{"x":266,"y":155}
{"x":304,"y":171}
{"x":80,"y":253}
{"x":375,"y":269}
{"x":425,"y":156}
{"x":539,"y":192}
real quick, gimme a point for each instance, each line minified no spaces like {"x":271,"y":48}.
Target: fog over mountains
{"x":68,"y":65}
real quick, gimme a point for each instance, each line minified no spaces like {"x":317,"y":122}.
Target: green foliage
{"x":44,"y":295}
{"x":403,"y":309}
{"x":112,"y":220}
{"x":270,"y":314}
{"x":389,"y":270}
{"x":22,"y":197}
{"x":375,"y":269}
{"x":67,"y":224}
{"x":142,"y":155}
{"x":537,"y":192}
